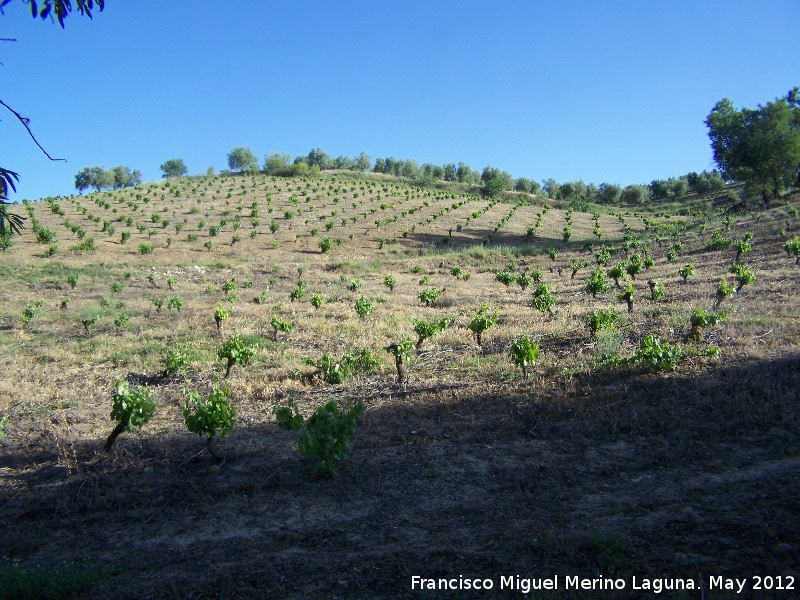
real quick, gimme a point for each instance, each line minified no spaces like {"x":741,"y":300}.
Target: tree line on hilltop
{"x":493,"y":181}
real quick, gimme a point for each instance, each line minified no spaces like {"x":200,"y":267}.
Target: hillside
{"x":592,"y":465}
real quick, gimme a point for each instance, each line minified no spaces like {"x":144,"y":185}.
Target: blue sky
{"x":613,"y":91}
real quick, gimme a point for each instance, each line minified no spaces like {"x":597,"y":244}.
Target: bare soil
{"x":588,"y":468}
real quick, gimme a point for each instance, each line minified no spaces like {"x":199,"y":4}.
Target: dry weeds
{"x":589,"y":467}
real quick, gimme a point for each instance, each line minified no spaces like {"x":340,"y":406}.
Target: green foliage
{"x":553,"y":254}
{"x":597,"y":283}
{"x":87,"y":323}
{"x":327,"y":434}
{"x":235,"y":351}
{"x":280,"y":325}
{"x":759,"y":146}
{"x":145,"y":248}
{"x":543,"y":299}
{"x":524,"y":353}
{"x":661,"y":357}
{"x":427,"y":329}
{"x":157,"y":302}
{"x":506,"y":277}
{"x":28,"y":313}
{"x":633,"y":266}
{"x":482,"y":321}
{"x":792,"y":248}
{"x":175,"y":360}
{"x":116,"y":286}
{"x":325,"y":245}
{"x":210,"y":416}
{"x":333,"y":370}
{"x":742,"y":247}
{"x":175,"y":167}
{"x":363,"y":361}
{"x":656,"y":290}
{"x":718,"y":240}
{"x":429,"y":295}
{"x":601,"y":319}
{"x":524,"y":280}
{"x":575,"y":266}
{"x":130,"y":409}
{"x":44,"y":235}
{"x":495,"y":187}
{"x":403,"y":349}
{"x":299,"y":292}
{"x":364,"y":307}
{"x":221,"y":314}
{"x":389,"y":282}
{"x":744,"y":276}
{"x":617,"y":272}
{"x":6,"y":239}
{"x":317,"y":300}
{"x":628,"y":296}
{"x":723,"y":291}
{"x":242,"y":159}
{"x":686,"y":271}
{"x":87,"y":245}
{"x":121,"y":321}
{"x":701,"y":318}
{"x":288,"y":417}
{"x":176,"y":302}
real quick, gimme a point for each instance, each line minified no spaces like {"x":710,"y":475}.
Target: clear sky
{"x":611,"y":90}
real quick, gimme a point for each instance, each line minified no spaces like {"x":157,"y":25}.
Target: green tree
{"x":83,"y":180}
{"x":363,"y":162}
{"x":465,"y":174}
{"x":495,"y":181}
{"x":609,"y":193}
{"x":318,"y":157}
{"x":174,"y":167}
{"x":760,"y":146}
{"x":123,"y":177}
{"x":96,"y":177}
{"x":242,"y":159}
{"x":635,"y":194}
{"x":277,"y":164}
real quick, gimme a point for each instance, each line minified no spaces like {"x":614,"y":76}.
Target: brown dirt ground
{"x":585,"y":469}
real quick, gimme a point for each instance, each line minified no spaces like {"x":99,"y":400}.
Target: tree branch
{"x":25,"y":122}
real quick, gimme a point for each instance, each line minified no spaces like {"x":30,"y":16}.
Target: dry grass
{"x":590,"y":466}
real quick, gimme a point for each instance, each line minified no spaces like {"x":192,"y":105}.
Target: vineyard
{"x":519,"y":386}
